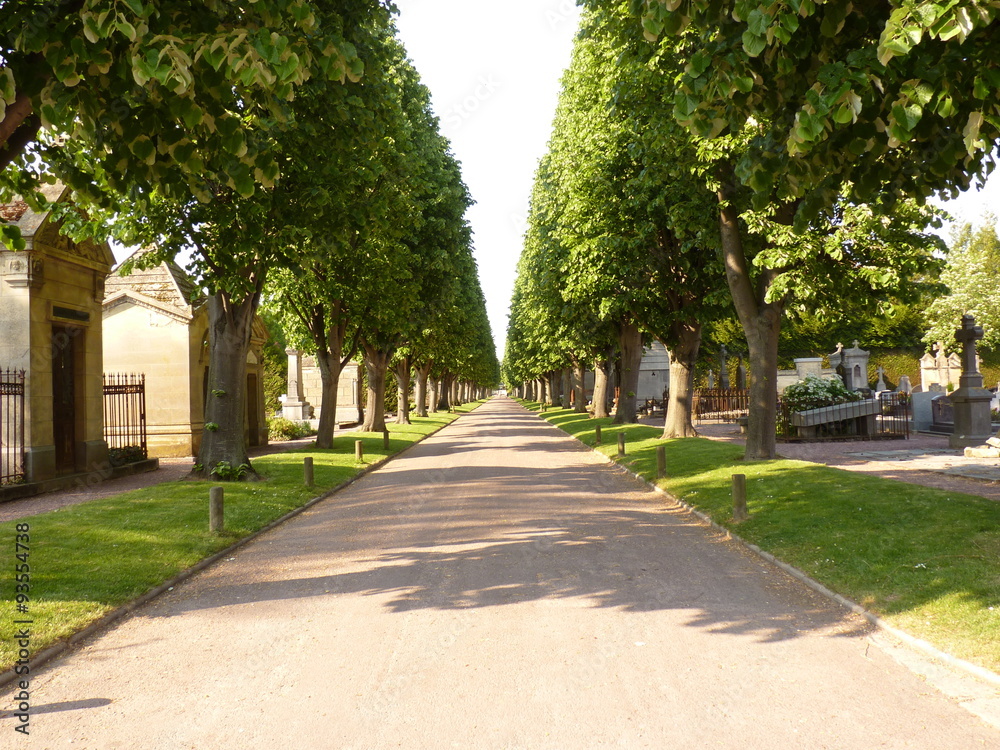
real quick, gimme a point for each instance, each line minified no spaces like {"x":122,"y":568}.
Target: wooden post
{"x":307,"y":466}
{"x":359,"y":450}
{"x":621,"y":443}
{"x":216,"y":512}
{"x":597,"y":434}
{"x":385,"y":438}
{"x":661,"y":461}
{"x":740,"y":512}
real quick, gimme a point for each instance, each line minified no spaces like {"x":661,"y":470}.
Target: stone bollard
{"x":385,"y":439}
{"x":216,"y":512}
{"x":359,"y":450}
{"x":621,"y":444}
{"x":740,"y":512}
{"x":597,"y":435}
{"x":661,"y":461}
{"x":307,"y":467}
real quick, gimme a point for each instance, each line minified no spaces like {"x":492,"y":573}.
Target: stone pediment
{"x":42,"y":236}
{"x":129,"y":296}
{"x":165,"y":282}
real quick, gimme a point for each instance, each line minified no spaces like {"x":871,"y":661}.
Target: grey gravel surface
{"x":497,"y":586}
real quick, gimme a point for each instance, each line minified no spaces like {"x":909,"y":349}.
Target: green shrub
{"x":279,"y":428}
{"x":127,"y":455}
{"x":815,"y":392}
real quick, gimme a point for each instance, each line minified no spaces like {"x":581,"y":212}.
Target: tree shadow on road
{"x":502,"y":537}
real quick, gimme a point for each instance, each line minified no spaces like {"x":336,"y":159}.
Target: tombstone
{"x":942,"y":415}
{"x":295,"y":408}
{"x":880,"y":385}
{"x":837,"y":363}
{"x":723,"y":368}
{"x":971,"y":401}
{"x":922,"y":409}
{"x":711,"y":379}
{"x":855,"y":364}
{"x":904,"y":385}
{"x":806,"y":366}
{"x":741,"y":376}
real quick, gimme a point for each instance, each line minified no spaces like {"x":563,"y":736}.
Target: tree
{"x":802,"y":113}
{"x":145,"y":94}
{"x":972,"y":276}
{"x":325,"y":294}
{"x":238,"y":240}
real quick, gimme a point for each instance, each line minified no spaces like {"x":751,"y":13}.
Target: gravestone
{"x":711,"y":380}
{"x":741,"y":375}
{"x":971,"y":401}
{"x":904,"y":384}
{"x":880,"y":385}
{"x":295,"y":407}
{"x":723,"y":368}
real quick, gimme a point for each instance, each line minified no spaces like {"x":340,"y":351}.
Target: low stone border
{"x":917,"y":643}
{"x":46,"y":655}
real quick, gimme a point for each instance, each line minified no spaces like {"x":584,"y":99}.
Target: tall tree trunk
{"x":223,"y":442}
{"x":678,"y":422}
{"x":435,"y":395}
{"x":552,"y":396}
{"x":362,"y":391}
{"x":630,"y":339}
{"x":423,"y":372}
{"x":761,"y":321}
{"x":447,"y":380}
{"x":567,"y":387}
{"x":602,"y":379}
{"x":376,"y":366}
{"x":329,"y":373}
{"x":329,"y":356}
{"x":579,"y":378}
{"x":403,"y":376}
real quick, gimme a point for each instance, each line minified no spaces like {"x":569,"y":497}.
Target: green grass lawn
{"x":90,"y":558}
{"x":925,"y":560}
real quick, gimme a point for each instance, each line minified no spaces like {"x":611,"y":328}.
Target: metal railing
{"x":884,"y":417}
{"x":125,"y":417}
{"x":720,"y":404}
{"x":12,"y":469}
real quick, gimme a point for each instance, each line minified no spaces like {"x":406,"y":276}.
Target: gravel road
{"x":497,"y":586}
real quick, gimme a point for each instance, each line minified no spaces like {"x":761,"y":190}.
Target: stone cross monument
{"x":971,"y":401}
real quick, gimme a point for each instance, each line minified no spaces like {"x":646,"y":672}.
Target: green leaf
{"x":753,"y":45}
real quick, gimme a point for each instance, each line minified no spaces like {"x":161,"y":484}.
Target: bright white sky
{"x":493,"y":69}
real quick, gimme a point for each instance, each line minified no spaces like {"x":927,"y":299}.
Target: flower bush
{"x":815,"y":392}
{"x":279,"y":428}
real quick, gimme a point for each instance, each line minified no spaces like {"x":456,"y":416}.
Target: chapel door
{"x":64,"y":397}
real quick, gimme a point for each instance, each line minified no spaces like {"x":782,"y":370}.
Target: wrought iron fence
{"x":884,"y":417}
{"x":125,"y":417}
{"x":12,"y":427}
{"x":720,"y":404}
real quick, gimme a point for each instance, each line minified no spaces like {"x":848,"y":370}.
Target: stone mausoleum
{"x":50,"y":313}
{"x":156,"y":322}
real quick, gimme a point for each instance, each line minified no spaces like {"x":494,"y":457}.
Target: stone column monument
{"x":296,"y":408}
{"x":723,"y":368}
{"x":971,"y":401}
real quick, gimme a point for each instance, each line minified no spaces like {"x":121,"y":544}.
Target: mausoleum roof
{"x":166,"y":283}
